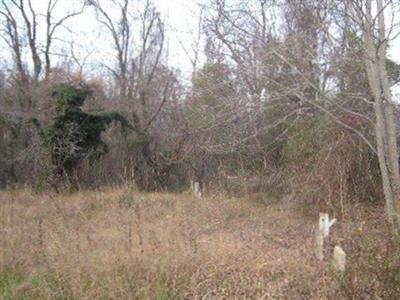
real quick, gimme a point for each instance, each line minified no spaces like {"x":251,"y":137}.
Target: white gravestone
{"x":339,"y":259}
{"x":325,"y":224}
{"x":197,"y":191}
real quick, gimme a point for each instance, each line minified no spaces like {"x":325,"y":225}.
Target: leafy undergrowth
{"x":118,"y":244}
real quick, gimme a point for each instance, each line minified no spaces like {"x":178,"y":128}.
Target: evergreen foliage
{"x":74,"y":134}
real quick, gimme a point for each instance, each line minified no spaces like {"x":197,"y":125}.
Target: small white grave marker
{"x":339,"y":259}
{"x":325,"y":224}
{"x":197,"y":191}
{"x":323,"y":230}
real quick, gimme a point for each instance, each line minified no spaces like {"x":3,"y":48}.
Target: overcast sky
{"x":92,"y":41}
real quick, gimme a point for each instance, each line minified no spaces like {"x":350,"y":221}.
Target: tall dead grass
{"x":118,"y":244}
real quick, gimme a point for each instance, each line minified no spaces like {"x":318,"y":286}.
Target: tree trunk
{"x":385,"y":130}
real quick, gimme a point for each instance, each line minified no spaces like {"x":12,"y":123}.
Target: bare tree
{"x":145,"y":84}
{"x":370,"y":16}
{"x":12,"y":38}
{"x":138,"y":57}
{"x":302,"y":66}
{"x":30,"y":20}
{"x":193,"y":50}
{"x":30,"y":17}
{"x":120,"y":31}
{"x":51,"y":26}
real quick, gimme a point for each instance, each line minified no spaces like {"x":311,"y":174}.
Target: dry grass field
{"x":118,"y":244}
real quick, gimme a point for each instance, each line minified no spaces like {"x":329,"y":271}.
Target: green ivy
{"x":74,"y":134}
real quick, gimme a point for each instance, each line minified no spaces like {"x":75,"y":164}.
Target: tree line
{"x":293,"y":99}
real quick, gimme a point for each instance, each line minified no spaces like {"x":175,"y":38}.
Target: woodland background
{"x":281,"y":104}
{"x":290,"y":109}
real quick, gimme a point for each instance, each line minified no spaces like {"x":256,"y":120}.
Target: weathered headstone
{"x":197,"y":190}
{"x":339,"y":259}
{"x":325,"y":224}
